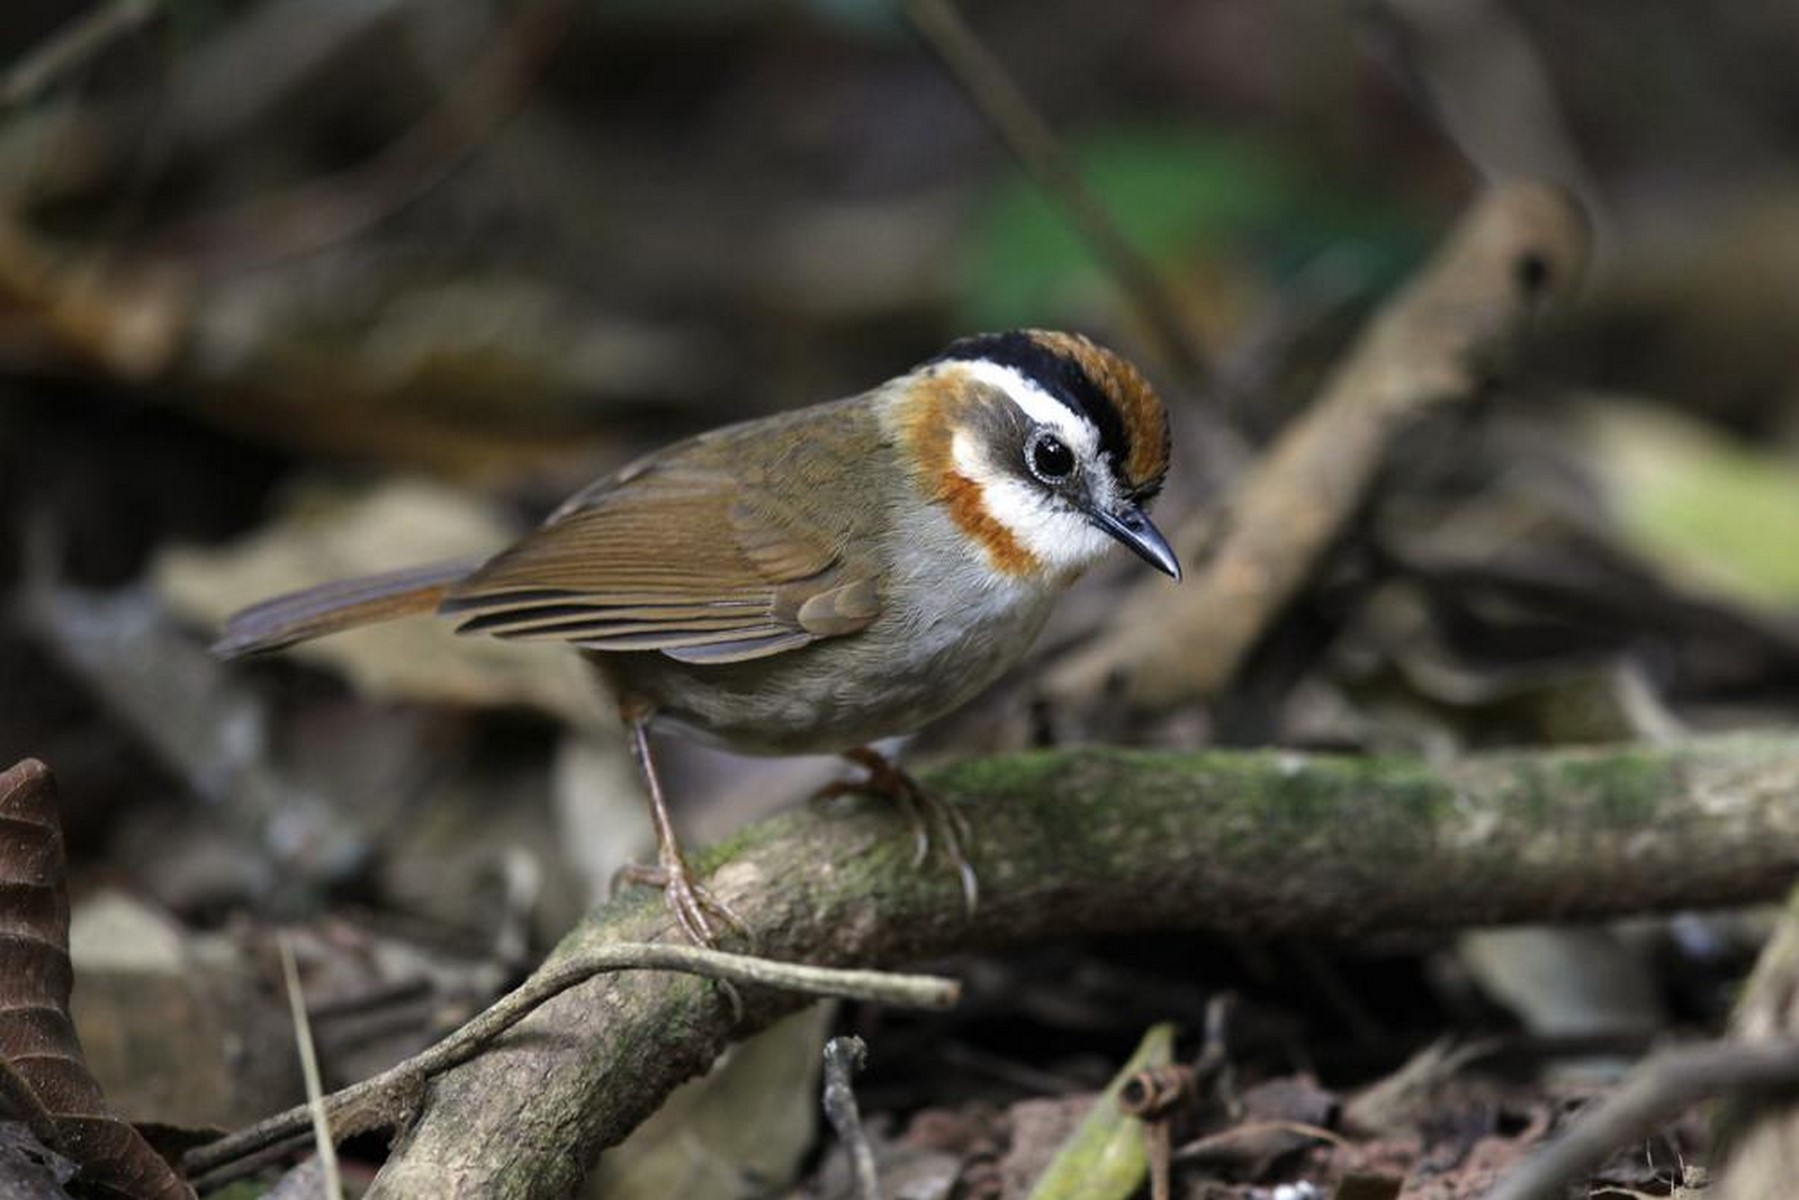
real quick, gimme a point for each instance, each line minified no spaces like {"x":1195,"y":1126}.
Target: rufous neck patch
{"x":928,"y":419}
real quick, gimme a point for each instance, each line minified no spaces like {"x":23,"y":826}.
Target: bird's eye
{"x":1050,"y":459}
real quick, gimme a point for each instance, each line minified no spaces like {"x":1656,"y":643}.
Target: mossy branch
{"x":1095,"y":840}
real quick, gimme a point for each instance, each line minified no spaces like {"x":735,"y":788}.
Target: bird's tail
{"x":331,"y":607}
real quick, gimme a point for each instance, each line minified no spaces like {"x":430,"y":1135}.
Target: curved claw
{"x":921,"y":828}
{"x":932,"y":818}
{"x":971,"y":886}
{"x":918,"y":813}
{"x":689,"y":901}
{"x":956,"y":835}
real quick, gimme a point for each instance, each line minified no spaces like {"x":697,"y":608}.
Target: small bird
{"x":816,"y":580}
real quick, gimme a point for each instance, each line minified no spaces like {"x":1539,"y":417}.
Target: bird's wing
{"x":693,"y":558}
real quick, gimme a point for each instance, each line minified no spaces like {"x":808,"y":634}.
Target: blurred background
{"x":298,"y":289}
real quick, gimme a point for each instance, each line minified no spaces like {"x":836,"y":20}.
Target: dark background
{"x":291,"y":290}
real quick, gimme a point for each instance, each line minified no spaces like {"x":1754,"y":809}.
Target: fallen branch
{"x":1758,"y":1133}
{"x":1435,"y":345}
{"x":1656,"y":1092}
{"x":844,"y":1056}
{"x":319,"y":213}
{"x":1079,"y":841}
{"x":384,"y":1100}
{"x":1031,"y":140}
{"x":71,"y":48}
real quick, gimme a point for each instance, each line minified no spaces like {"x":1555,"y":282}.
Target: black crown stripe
{"x":1058,"y":374}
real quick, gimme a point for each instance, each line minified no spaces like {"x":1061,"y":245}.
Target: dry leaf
{"x":396,"y":524}
{"x":37,"y":1039}
{"x":740,"y":1131}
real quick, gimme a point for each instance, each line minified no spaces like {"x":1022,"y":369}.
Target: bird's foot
{"x":933,"y":820}
{"x":692,"y":903}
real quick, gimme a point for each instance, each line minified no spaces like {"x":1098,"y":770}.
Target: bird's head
{"x":1045,"y":447}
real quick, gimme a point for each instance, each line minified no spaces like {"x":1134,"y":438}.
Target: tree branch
{"x":71,"y":48}
{"x":1109,"y":840}
{"x":1032,"y":141}
{"x":1758,"y":1131}
{"x":1434,"y":345}
{"x":382,"y":1101}
{"x":1656,"y":1092}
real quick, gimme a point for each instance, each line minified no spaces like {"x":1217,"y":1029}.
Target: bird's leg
{"x":689,"y":900}
{"x":931,"y":817}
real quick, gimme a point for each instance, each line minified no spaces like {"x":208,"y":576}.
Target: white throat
{"x":1055,"y":534}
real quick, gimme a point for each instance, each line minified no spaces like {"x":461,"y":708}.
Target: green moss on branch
{"x":1093,"y":840}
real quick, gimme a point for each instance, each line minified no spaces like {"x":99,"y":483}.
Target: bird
{"x":816,"y":580}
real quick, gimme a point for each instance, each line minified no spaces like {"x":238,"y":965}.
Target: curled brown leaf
{"x":44,"y":1069}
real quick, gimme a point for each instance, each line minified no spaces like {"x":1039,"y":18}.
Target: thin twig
{"x":1656,"y":1091}
{"x":70,"y":47}
{"x":309,"y":1070}
{"x":1157,"y":1152}
{"x":1155,"y":1096}
{"x":323,"y":212}
{"x":1099,"y":839}
{"x":1041,"y":153}
{"x":844,"y":1056}
{"x":378,"y":1101}
{"x":1250,"y":1139}
{"x":1755,"y":1137}
{"x":274,"y":1154}
{"x":1435,"y":345}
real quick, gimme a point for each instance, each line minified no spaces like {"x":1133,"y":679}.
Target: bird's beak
{"x":1132,"y":527}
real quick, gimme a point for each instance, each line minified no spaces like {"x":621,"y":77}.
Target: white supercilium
{"x":1057,"y":535}
{"x":1042,"y":408}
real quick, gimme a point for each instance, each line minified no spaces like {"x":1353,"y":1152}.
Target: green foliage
{"x":1105,"y":1159}
{"x":1717,"y":513}
{"x":1179,"y":195}
{"x":877,"y":20}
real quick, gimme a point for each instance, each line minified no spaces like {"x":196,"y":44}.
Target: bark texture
{"x":1758,"y":1132}
{"x":1436,"y":344}
{"x":1109,"y":840}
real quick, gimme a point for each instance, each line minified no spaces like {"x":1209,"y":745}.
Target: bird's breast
{"x":949,"y":627}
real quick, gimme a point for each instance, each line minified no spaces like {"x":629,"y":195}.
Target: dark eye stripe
{"x":1057,"y":374}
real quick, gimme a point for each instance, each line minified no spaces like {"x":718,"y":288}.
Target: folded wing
{"x":684,"y":559}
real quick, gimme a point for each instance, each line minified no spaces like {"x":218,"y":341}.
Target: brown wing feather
{"x":690,"y":559}
{"x":342,"y":604}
